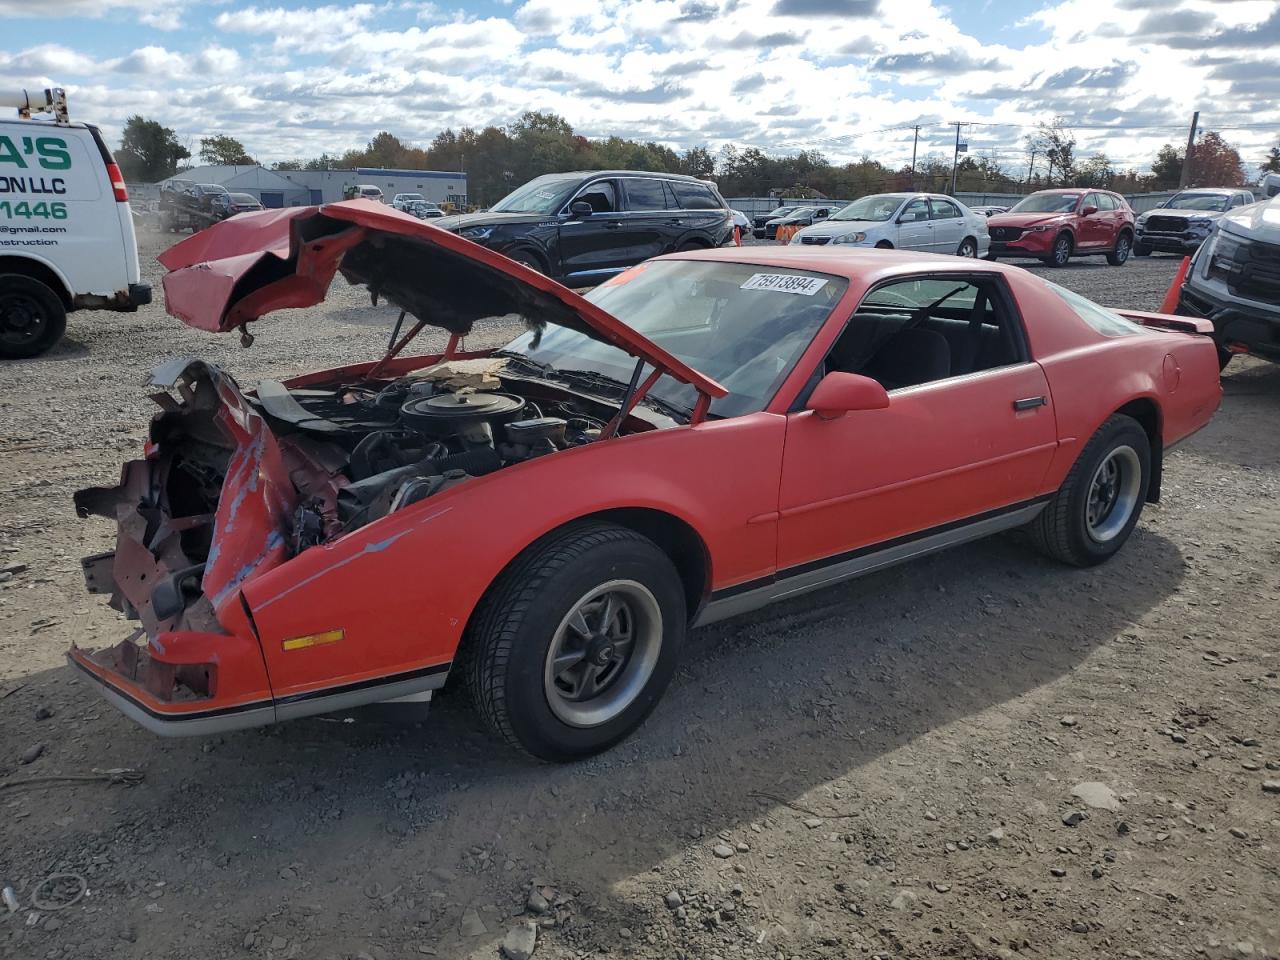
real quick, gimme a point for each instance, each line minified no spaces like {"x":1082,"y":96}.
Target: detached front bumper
{"x":183,"y":683}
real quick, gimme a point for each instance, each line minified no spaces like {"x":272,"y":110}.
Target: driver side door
{"x":948,"y":460}
{"x":594,"y":247}
{"x":915,"y":230}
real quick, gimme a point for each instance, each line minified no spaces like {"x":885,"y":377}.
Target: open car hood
{"x":238,"y":270}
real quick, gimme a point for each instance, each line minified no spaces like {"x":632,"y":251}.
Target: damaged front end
{"x":238,"y":485}
{"x":203,"y":511}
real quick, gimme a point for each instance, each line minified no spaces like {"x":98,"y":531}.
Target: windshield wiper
{"x":537,"y":367}
{"x":599,"y":382}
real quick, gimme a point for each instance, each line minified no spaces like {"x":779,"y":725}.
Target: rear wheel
{"x":1124,"y":245}
{"x":968,"y":248}
{"x":1097,"y":507}
{"x":32,"y":317}
{"x":1061,"y":252}
{"x":576,"y":642}
{"x":527,"y":260}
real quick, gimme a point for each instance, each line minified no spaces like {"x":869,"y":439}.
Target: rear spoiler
{"x":1167,"y":321}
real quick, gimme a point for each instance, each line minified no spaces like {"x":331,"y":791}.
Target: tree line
{"x":497,"y":159}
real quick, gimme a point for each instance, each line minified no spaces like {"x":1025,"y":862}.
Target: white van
{"x":369,"y":191}
{"x":66,"y":231}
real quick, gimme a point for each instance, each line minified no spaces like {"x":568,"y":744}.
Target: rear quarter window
{"x":1104,"y":321}
{"x":695,"y":196}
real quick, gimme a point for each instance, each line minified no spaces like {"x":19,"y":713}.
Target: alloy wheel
{"x":1113,"y":494}
{"x":603,"y":653}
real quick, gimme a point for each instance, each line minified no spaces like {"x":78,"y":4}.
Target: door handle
{"x":613,"y":225}
{"x":1030,"y":403}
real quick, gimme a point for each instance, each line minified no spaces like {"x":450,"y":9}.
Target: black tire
{"x":1063,"y":529}
{"x":884,"y":245}
{"x":528,"y":609}
{"x":1061,"y":253}
{"x":32,"y":317}
{"x":1124,"y":246}
{"x":1142,"y":250}
{"x":691,"y":245}
{"x":968,"y":248}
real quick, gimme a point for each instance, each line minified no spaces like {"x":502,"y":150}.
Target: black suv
{"x":581,"y":228}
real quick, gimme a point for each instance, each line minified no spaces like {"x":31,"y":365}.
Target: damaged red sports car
{"x":701,"y":435}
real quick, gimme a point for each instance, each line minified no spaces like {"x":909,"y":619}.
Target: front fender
{"x":397,"y":595}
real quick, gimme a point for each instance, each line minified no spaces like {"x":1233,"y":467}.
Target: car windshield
{"x":802,"y":212}
{"x":1047,"y":203}
{"x":243,"y":198}
{"x":1198,"y":201}
{"x":744,"y":326}
{"x":881,"y":206}
{"x":541,"y":195}
{"x":781,"y":212}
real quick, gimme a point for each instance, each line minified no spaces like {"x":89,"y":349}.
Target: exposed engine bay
{"x":412,"y":438}
{"x":307,"y":465}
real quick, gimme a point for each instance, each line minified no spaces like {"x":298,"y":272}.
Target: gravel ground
{"x":980,"y":754}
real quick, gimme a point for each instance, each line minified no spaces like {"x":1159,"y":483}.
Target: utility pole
{"x":955,"y":158}
{"x":914,"y":143}
{"x":1031,"y":167}
{"x":1191,"y":145}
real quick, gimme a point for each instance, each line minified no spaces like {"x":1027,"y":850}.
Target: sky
{"x":847,"y":77}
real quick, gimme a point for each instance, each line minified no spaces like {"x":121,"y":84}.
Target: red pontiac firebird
{"x":697,"y":437}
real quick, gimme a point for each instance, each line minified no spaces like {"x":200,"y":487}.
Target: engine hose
{"x":476,"y":462}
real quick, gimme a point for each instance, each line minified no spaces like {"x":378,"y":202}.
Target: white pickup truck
{"x":66,"y":231}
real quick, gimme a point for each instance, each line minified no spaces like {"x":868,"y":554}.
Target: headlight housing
{"x":1200,"y":223}
{"x":850,"y":238}
{"x":476,"y":233}
{"x":1042,"y":228}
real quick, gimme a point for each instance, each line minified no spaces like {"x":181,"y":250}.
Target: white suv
{"x":66,"y":230}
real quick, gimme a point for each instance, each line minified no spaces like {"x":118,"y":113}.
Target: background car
{"x":869,"y":406}
{"x":1056,"y":225}
{"x":201,"y":195}
{"x":742,"y":222}
{"x":223,"y":205}
{"x":989,"y":211}
{"x":423,"y":210}
{"x":584,"y":227}
{"x":799,"y":217}
{"x":1234,"y":280}
{"x":402,"y":200}
{"x":925,"y":222}
{"x":1180,"y":224}
{"x":758,"y":223}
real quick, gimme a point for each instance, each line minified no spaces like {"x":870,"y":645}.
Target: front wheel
{"x":1124,"y":244}
{"x":32,"y":317}
{"x":1097,"y":507}
{"x":576,"y":641}
{"x":968,"y":248}
{"x":1061,"y":252}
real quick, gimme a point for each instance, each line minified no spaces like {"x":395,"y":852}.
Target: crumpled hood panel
{"x":241,"y":269}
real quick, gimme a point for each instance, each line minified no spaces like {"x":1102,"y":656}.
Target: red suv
{"x":1056,"y":225}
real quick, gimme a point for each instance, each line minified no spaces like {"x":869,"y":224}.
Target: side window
{"x":645,"y":195}
{"x":600,"y":195}
{"x":943,"y":209}
{"x":694,"y":196}
{"x":915,"y":211}
{"x":1105,"y":203}
{"x":916,"y":331}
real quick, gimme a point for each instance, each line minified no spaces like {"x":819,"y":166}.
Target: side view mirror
{"x":841,"y":393}
{"x":1088,"y":210}
{"x":580,"y":209}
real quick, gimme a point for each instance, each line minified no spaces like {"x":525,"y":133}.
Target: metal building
{"x":294,"y":188}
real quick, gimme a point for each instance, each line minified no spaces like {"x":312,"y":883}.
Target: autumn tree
{"x":1272,"y":163}
{"x":1167,"y":166}
{"x":149,"y":151}
{"x":1215,"y":163}
{"x":222,"y":150}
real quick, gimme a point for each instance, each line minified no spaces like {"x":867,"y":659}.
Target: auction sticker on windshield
{"x":785,"y":283}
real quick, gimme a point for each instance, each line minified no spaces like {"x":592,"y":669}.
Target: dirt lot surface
{"x":980,"y":754}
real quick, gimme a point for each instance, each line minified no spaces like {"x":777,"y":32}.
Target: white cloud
{"x":160,"y":14}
